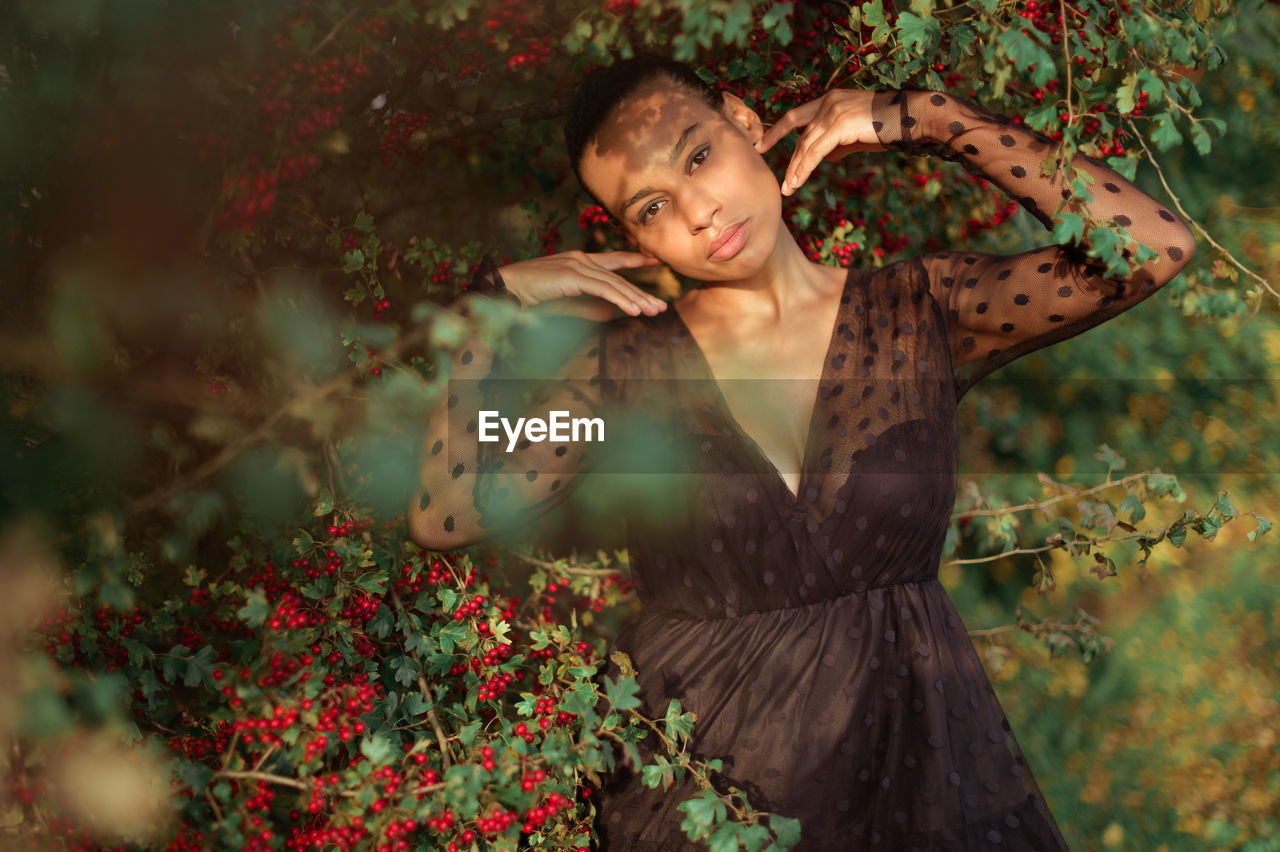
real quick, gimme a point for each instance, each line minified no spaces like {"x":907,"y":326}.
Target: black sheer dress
{"x":809,"y":632}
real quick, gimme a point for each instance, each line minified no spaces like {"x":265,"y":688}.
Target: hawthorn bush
{"x":234,"y":232}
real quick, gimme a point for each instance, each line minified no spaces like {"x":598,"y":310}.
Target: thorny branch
{"x":1266,"y":285}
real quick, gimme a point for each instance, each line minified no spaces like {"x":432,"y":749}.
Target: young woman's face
{"x":686,"y":182}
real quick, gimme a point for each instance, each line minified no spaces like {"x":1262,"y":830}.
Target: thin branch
{"x":427,"y":695}
{"x":329,"y":36}
{"x":213,"y":803}
{"x":211,"y":466}
{"x":1066,"y":52}
{"x":1016,"y":551}
{"x":231,"y":751}
{"x":1266,"y":285}
{"x":263,"y":759}
{"x":1040,"y":504}
{"x":552,"y":566}
{"x":469,"y":125}
{"x":246,"y":775}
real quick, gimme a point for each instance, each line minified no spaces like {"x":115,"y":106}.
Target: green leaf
{"x":377,"y":748}
{"x":448,"y":597}
{"x":467,"y":733}
{"x":737,"y":23}
{"x":1068,"y":229}
{"x":353,"y":261}
{"x":622,"y":693}
{"x":199,"y":668}
{"x":1200,"y":138}
{"x":450,"y":635}
{"x":1027,"y":53}
{"x":654,"y":774}
{"x":1112,"y":459}
{"x":1224,"y":506}
{"x":1133,"y":506}
{"x":255,"y":612}
{"x":1264,"y":526}
{"x":405,"y":670}
{"x":1127,"y":95}
{"x":726,"y":838}
{"x":918,"y":34}
{"x":873,"y":13}
{"x":1127,"y":166}
{"x":1164,"y":134}
{"x":1042,"y":116}
{"x":1165,"y":485}
{"x":678,"y":725}
{"x":364,"y":222}
{"x":701,"y":812}
{"x":776,"y":15}
{"x":416,"y":705}
{"x":373,"y":582}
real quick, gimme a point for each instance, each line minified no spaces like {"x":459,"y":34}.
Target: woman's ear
{"x":743,"y":117}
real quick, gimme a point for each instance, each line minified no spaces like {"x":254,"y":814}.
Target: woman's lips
{"x":732,"y":242}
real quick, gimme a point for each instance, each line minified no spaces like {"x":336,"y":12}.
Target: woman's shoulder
{"x":906,"y":276}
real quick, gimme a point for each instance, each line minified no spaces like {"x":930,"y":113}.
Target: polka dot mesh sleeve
{"x":999,"y":307}
{"x":473,"y":489}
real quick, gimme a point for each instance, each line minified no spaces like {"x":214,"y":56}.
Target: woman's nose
{"x":701,"y":207}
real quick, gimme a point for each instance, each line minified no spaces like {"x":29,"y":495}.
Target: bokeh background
{"x":230,"y":233}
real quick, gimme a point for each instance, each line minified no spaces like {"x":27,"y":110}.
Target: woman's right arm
{"x":473,"y":489}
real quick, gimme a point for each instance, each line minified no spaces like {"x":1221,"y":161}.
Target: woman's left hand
{"x":836,"y":124}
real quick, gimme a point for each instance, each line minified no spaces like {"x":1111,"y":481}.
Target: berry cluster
{"x":550,"y":240}
{"x":592,"y":216}
{"x":399,"y":132}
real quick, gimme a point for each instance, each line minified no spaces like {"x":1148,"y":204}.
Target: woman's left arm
{"x":1001,"y":306}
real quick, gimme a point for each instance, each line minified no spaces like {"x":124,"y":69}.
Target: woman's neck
{"x":788,"y":282}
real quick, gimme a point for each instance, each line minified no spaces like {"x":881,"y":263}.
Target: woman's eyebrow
{"x":671,"y":161}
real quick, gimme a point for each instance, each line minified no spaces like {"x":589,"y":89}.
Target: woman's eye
{"x":701,"y":156}
{"x":651,"y":210}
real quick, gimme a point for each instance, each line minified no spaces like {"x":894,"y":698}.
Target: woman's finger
{"x":793,"y":118}
{"x":611,"y":291}
{"x":816,"y":149}
{"x":624,"y":260}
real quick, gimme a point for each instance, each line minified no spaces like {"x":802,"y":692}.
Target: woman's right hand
{"x":582,"y":284}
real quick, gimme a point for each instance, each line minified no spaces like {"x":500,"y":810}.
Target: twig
{"x":1016,"y":551}
{"x":551,"y":566}
{"x":157,"y":497}
{"x":263,"y":759}
{"x":468,"y":125}
{"x":427,"y":694}
{"x":247,"y":775}
{"x":213,"y":803}
{"x":976,"y":513}
{"x":1178,"y":205}
{"x":1066,"y":52}
{"x":231,"y":751}
{"x":329,"y":36}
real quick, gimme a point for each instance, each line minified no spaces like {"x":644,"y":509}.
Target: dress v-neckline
{"x":733,"y":420}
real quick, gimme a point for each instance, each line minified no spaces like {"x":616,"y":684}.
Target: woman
{"x":793,"y":604}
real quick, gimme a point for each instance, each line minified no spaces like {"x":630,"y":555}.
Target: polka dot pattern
{"x":807,"y":629}
{"x":1017,"y":301}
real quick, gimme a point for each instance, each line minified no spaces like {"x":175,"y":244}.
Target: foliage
{"x":232,"y":232}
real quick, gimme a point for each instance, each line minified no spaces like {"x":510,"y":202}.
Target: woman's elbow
{"x":1173,"y":256}
{"x":1181,"y":249}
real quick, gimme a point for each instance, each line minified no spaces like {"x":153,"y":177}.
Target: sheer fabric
{"x":827,"y":666}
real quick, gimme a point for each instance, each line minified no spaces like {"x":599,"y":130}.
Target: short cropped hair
{"x":600,"y":92}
